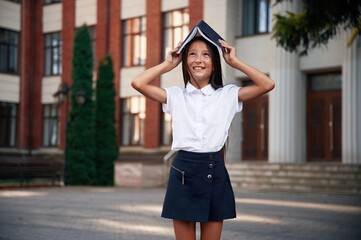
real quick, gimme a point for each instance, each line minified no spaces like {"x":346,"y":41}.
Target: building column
{"x":154,"y":56}
{"x":38,"y":71}
{"x":195,"y":14}
{"x":287,"y":108}
{"x":351,"y":100}
{"x":68,"y":34}
{"x":115,"y":41}
{"x":31,"y":72}
{"x":102,"y":31}
{"x":24,"y":137}
{"x":235,"y":137}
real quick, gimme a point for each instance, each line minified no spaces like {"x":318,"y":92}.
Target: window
{"x":133,"y":119}
{"x":92,"y":32}
{"x":256,"y":17}
{"x":325,"y":82}
{"x":50,"y":125}
{"x":53,"y":53}
{"x":8,"y":119}
{"x":175,"y":28}
{"x":134,"y":41}
{"x":15,"y":1}
{"x":9,"y":45}
{"x":51,"y":1}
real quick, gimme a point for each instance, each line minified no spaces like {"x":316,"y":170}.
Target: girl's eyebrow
{"x":203,"y":50}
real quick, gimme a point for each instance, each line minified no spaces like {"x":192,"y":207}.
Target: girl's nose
{"x":198,"y":58}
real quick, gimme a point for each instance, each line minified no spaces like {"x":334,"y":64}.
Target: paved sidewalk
{"x":112,"y":213}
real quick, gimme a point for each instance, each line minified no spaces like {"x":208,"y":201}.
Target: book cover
{"x":204,"y":30}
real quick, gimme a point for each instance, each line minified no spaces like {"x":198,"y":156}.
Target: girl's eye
{"x":192,"y":54}
{"x":206,"y":54}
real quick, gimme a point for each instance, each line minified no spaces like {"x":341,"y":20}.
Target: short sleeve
{"x":172,"y":94}
{"x":165,"y":106}
{"x":231,"y":91}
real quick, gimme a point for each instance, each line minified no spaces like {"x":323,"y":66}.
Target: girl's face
{"x":199,"y":62}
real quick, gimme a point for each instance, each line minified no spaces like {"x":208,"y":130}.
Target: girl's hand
{"x":262,"y":83}
{"x":173,"y":57}
{"x":229,"y":54}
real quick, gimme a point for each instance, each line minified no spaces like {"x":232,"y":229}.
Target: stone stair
{"x":311,"y":177}
{"x":139,"y":171}
{"x":150,"y":171}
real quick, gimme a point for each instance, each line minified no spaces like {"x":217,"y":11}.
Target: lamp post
{"x":61,"y":96}
{"x":80,"y":97}
{"x":62,"y":93}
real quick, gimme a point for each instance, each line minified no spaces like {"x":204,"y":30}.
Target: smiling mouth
{"x":198,"y":68}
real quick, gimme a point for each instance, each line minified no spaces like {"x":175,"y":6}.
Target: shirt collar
{"x":206,"y":90}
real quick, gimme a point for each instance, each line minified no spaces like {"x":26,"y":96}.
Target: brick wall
{"x":115,"y":43}
{"x":109,"y":40}
{"x":31,"y":72}
{"x":154,"y":52}
{"x":195,"y":12}
{"x":25,"y":69}
{"x":68,"y":34}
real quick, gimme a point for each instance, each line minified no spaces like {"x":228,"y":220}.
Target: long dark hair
{"x":216,"y":80}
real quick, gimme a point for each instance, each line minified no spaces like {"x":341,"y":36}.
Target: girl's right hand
{"x":173,"y":57}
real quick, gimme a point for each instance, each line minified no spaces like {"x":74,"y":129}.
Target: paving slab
{"x":92,"y":213}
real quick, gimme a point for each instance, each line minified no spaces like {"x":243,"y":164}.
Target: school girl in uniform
{"x":199,"y":188}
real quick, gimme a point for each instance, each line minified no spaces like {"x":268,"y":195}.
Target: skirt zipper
{"x":182,"y":172}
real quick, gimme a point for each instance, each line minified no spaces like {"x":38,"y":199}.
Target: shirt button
{"x":210,"y":156}
{"x":209,"y":176}
{"x":210,"y":165}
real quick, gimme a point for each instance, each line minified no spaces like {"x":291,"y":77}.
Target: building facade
{"x":313,"y":114}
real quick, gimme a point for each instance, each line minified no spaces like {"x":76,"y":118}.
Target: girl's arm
{"x":262,"y":83}
{"x":142,"y":82}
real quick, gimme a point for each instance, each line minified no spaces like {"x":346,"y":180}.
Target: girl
{"x":199,"y":188}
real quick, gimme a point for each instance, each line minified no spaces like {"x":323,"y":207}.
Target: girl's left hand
{"x":229,"y":54}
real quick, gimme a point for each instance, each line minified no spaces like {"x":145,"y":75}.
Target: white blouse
{"x":201,"y":118}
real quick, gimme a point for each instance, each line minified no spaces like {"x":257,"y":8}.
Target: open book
{"x":204,"y":30}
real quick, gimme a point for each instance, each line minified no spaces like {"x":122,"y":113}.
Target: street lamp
{"x":80,"y":97}
{"x":61,"y":96}
{"x":62,"y":93}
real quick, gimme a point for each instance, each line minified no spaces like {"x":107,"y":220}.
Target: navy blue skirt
{"x":199,"y":189}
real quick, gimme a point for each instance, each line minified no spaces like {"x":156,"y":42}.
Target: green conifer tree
{"x":105,"y":133}
{"x":80,"y":165}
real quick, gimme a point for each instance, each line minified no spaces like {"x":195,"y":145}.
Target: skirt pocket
{"x":181,"y":172}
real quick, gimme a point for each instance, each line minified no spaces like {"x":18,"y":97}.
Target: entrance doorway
{"x":324,"y":118}
{"x":255,"y":129}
